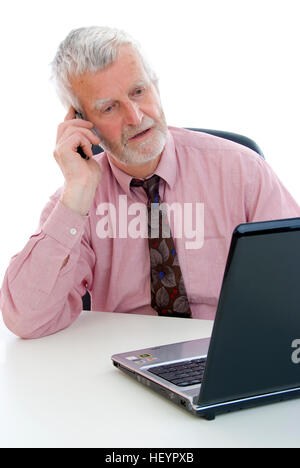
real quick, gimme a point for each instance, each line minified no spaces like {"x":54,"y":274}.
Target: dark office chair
{"x":86,"y":299}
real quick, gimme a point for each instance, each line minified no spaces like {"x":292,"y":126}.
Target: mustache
{"x":132,"y":131}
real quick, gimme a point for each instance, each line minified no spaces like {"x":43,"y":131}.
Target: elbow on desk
{"x":30,"y":323}
{"x":14,"y":321}
{"x":27,"y":330}
{"x":17,"y":329}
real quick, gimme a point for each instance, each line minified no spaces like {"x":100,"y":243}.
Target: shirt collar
{"x":166,"y":168}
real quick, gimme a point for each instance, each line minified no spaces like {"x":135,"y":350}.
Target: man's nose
{"x":133,"y":114}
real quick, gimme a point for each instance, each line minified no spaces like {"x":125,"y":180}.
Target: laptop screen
{"x":257,"y":324}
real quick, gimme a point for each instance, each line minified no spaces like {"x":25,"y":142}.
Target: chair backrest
{"x":241,"y":139}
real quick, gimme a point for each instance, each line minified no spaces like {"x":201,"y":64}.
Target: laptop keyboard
{"x":182,"y":373}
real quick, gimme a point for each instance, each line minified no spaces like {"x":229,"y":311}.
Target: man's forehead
{"x":126,"y":73}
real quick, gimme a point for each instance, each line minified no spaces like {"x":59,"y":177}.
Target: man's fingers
{"x":66,"y":149}
{"x":84,"y":131}
{"x":72,"y":124}
{"x":77,"y":121}
{"x":87,"y":148}
{"x":71,"y":114}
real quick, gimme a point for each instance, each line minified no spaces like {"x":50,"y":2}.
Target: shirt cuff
{"x":64,"y":225}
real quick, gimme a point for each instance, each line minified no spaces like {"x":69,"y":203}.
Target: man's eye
{"x":108,"y":109}
{"x":139,"y":91}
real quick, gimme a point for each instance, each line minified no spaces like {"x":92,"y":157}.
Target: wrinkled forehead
{"x":108,"y":84}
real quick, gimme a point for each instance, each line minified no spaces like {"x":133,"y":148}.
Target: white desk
{"x":63,"y":391}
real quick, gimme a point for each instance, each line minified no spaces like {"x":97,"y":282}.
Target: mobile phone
{"x":79,"y":149}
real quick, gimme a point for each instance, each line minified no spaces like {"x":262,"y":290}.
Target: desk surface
{"x":63,"y":391}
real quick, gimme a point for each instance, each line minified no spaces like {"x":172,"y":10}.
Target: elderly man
{"x":91,"y":234}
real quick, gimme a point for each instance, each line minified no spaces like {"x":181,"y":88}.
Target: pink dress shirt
{"x":235,"y":185}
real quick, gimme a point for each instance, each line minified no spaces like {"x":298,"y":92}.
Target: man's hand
{"x":82,"y":176}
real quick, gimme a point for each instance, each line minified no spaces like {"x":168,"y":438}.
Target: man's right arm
{"x":44,"y":283}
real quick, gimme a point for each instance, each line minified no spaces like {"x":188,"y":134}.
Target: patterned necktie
{"x":168,"y":293}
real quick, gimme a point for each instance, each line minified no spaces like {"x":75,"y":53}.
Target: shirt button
{"x":73,"y":231}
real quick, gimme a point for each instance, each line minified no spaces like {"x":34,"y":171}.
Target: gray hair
{"x":89,"y":49}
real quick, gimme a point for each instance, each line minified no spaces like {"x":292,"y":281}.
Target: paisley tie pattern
{"x":168,"y":293}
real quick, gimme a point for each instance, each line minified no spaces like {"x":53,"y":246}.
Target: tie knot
{"x":151,"y":187}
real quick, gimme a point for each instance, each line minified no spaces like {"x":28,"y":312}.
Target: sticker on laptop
{"x":141,"y":358}
{"x":148,"y":357}
{"x":136,"y":360}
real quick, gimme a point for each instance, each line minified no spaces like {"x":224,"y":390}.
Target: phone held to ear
{"x":79,"y":149}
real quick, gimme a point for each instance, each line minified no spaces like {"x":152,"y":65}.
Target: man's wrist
{"x":78,"y":199}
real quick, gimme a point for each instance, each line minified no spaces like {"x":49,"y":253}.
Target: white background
{"x":223,"y":64}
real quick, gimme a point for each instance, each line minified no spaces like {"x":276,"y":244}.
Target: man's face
{"x":125,"y":107}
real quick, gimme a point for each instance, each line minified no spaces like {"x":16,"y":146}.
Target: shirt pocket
{"x":205,"y":269}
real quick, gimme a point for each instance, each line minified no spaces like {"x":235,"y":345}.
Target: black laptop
{"x":253,"y":355}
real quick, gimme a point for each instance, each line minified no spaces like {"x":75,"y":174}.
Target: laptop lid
{"x":253,"y":348}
